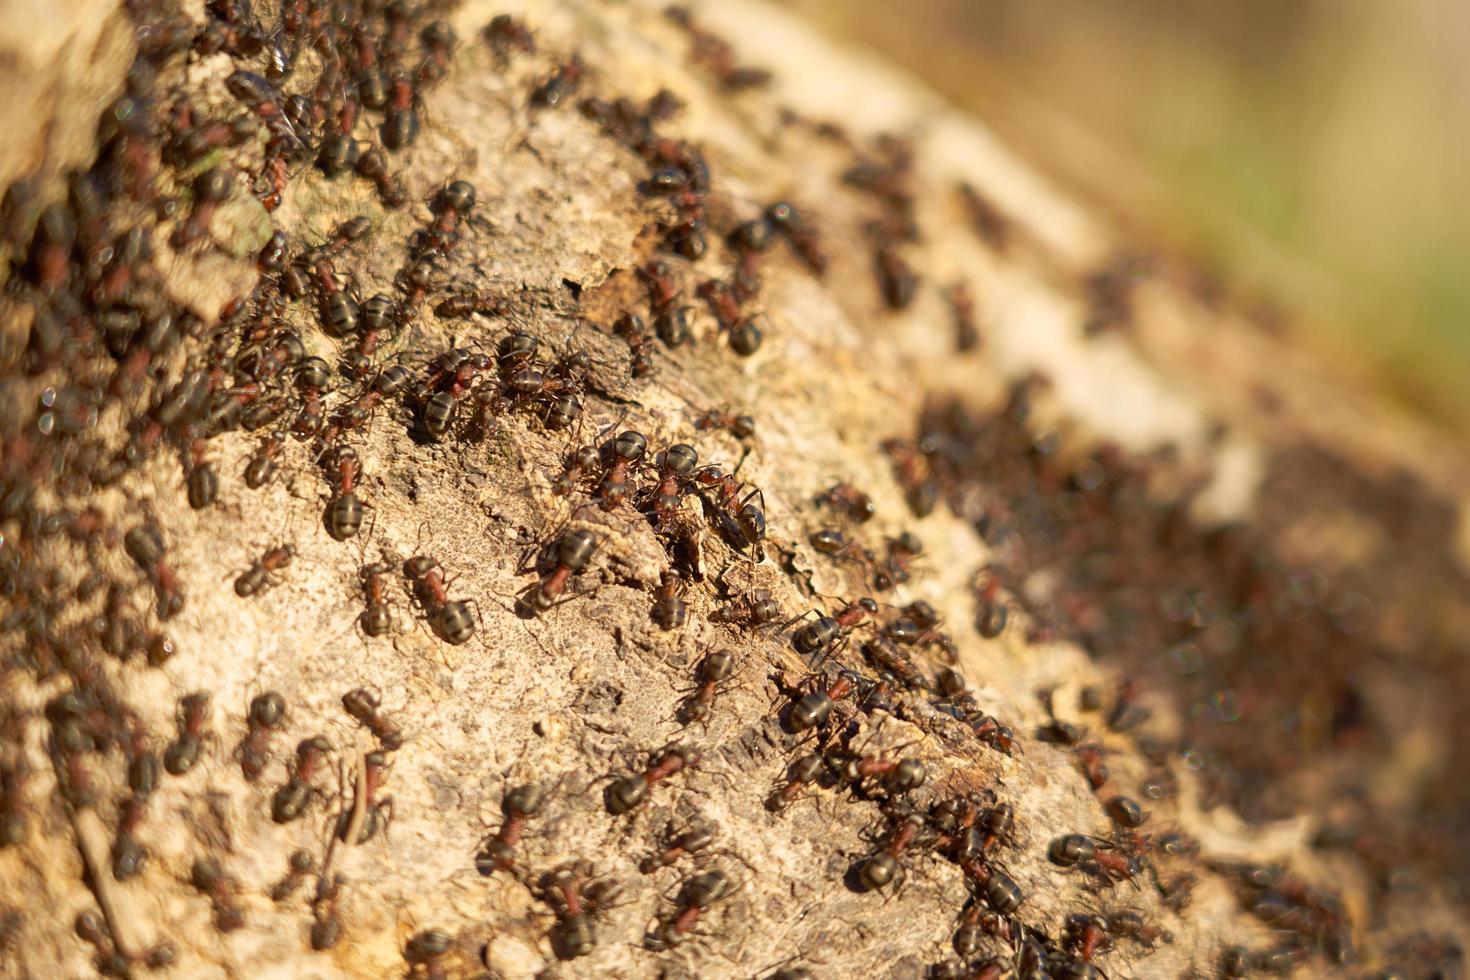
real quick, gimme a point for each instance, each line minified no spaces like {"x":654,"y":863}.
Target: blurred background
{"x":1315,"y":152}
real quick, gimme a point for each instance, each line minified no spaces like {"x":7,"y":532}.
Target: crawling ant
{"x":463,"y":305}
{"x":801,"y":773}
{"x":883,"y":867}
{"x":299,"y":866}
{"x":262,"y":574}
{"x":669,"y":609}
{"x":962,"y":310}
{"x":144,"y":544}
{"x":894,"y":570}
{"x":899,"y":775}
{"x":576,"y":902}
{"x":991,"y":612}
{"x":582,"y":462}
{"x":267,"y":712}
{"x":715,"y":668}
{"x":223,"y":893}
{"x":835,"y":545}
{"x":802,"y":236}
{"x":1090,"y":759}
{"x":813,"y":709}
{"x":343,"y":516}
{"x":426,"y":952}
{"x":373,"y":166}
{"x":742,"y":427}
{"x":1095,"y":856}
{"x":740,"y":522}
{"x":698,"y":895}
{"x":498,"y":853}
{"x":202,"y":481}
{"x":183,"y":752}
{"x":912,"y":469}
{"x":562,"y":84}
{"x":630,"y":792}
{"x":127,"y":854}
{"x":326,"y":926}
{"x":375,"y":812}
{"x":211,"y":189}
{"x":290,"y":800}
{"x":631,"y":328}
{"x":507,"y":34}
{"x":450,"y":619}
{"x":262,"y":466}
{"x":377,"y":618}
{"x":363,"y":706}
{"x":675,"y":464}
{"x":401,"y":122}
{"x":627,"y":449}
{"x":751,"y":611}
{"x":848,"y":500}
{"x":1087,"y":935}
{"x":689,"y":841}
{"x":821,"y":633}
{"x":573,"y":551}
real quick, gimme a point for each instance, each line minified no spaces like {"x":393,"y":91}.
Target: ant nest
{"x":470,"y":511}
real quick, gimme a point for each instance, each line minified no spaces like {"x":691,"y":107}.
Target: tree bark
{"x":1154,"y":486}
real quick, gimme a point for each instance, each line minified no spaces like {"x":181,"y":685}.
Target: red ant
{"x":498,"y":854}
{"x":714,"y":669}
{"x":630,"y":792}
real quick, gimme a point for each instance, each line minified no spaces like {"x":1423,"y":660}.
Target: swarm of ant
{"x":368,"y":363}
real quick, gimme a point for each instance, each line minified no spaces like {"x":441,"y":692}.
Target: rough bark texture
{"x":1182,"y":501}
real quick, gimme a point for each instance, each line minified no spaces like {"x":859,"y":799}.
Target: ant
{"x":576,"y":901}
{"x":211,"y":189}
{"x":573,"y":551}
{"x":848,"y":500}
{"x":1095,"y":856}
{"x":223,"y":893}
{"x":375,"y":813}
{"x":814,"y":709}
{"x":962,"y":309}
{"x":427,"y":949}
{"x":261,"y":575}
{"x":692,"y":840}
{"x":804,"y":239}
{"x":363,"y":706}
{"x":290,"y":800}
{"x":899,"y":775}
{"x":741,"y":523}
{"x":674,"y":466}
{"x":506,"y":34}
{"x":144,"y":544}
{"x":630,"y":792}
{"x":834,"y":544}
{"x":578,"y":466}
{"x":262,"y":466}
{"x":894,"y":570}
{"x":450,"y":619}
{"x":627,"y":449}
{"x":883,"y":867}
{"x":498,"y":853}
{"x":373,"y":166}
{"x":343,"y":516}
{"x":562,"y":84}
{"x":912,"y":469}
{"x":669,"y":609}
{"x":801,"y":774}
{"x":634,"y":331}
{"x":267,"y":712}
{"x":991,"y":612}
{"x":698,"y":895}
{"x":183,"y":752}
{"x":818,"y":636}
{"x":715,"y":668}
{"x":298,"y":866}
{"x":377,"y":618}
{"x":742,"y":427}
